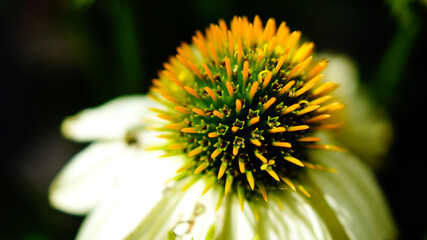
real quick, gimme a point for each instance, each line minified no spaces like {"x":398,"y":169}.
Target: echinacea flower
{"x":244,"y":121}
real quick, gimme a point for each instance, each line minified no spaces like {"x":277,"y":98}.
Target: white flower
{"x":242,"y":116}
{"x":122,"y":189}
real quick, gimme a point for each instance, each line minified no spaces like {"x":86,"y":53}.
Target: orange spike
{"x":229,"y":88}
{"x":282,"y":144}
{"x":277,"y":130}
{"x":238,"y":105}
{"x":208,"y":71}
{"x":214,"y":54}
{"x":267,"y":80}
{"x":254,"y":89}
{"x":269,"y":103}
{"x":195,"y":151}
{"x":239,"y":51}
{"x":230,"y":43}
{"x":228,"y":67}
{"x":192,"y":92}
{"x":189,"y":130}
{"x":245,"y":71}
{"x":195,"y":70}
{"x":297,"y":128}
{"x":286,"y":87}
{"x":316,"y":69}
{"x":290,"y":108}
{"x":199,"y":111}
{"x":211,"y":93}
{"x":218,"y":114}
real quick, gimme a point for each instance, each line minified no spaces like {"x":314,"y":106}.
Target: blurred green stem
{"x":129,"y":79}
{"x":390,"y":72}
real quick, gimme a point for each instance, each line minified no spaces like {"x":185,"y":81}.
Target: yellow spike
{"x":242,"y":166}
{"x":304,"y":89}
{"x":199,"y":111}
{"x":255,"y":142}
{"x":303,"y":52}
{"x":253,"y":121}
{"x":182,"y":109}
{"x":307,"y":110}
{"x":228,"y":67}
{"x":167,"y":117}
{"x":241,"y":195}
{"x":304,"y":191}
{"x":316,"y":79}
{"x":292,"y":40}
{"x":200,"y":44}
{"x":192,"y":181}
{"x":290,"y":108}
{"x":300,"y":67}
{"x":228,"y":182}
{"x":324,"y":88}
{"x":261,"y":157}
{"x":329,"y":126}
{"x":309,"y":139}
{"x":166,"y":136}
{"x":213,"y":134}
{"x":195,"y":70}
{"x":267,"y":80}
{"x":170,"y":99}
{"x":209,"y":183}
{"x":195,"y":151}
{"x":222,"y":169}
{"x":316,"y":69}
{"x":220,"y":198}
{"x":189,"y":130}
{"x":192,"y":92}
{"x":239,"y":51}
{"x":214,"y":54}
{"x":282,"y":144}
{"x":263,"y":192}
{"x":318,"y":118}
{"x":201,"y":167}
{"x":185,"y":167}
{"x":320,"y":100}
{"x":260,"y":56}
{"x":286,"y":87}
{"x":293,"y":160}
{"x":297,"y":128}
{"x":254,"y":89}
{"x":250,"y":178}
{"x":271,"y":45}
{"x":175,"y":126}
{"x":331,"y":107}
{"x":269,"y":103}
{"x":229,"y":88}
{"x":211,"y":93}
{"x":218,"y":114}
{"x":288,"y":182}
{"x":183,"y":62}
{"x":245,"y":71}
{"x":250,"y":36}
{"x":176,"y":146}
{"x":238,"y":105}
{"x":282,"y":59}
{"x":273,"y":174}
{"x":277,"y":130}
{"x":230,"y":43}
{"x":326,"y":147}
{"x":216,"y":153}
{"x":208,"y":71}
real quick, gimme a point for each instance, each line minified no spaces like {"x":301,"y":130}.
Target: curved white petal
{"x":109,"y":121}
{"x":142,"y":189}
{"x":233,"y":223}
{"x":354,"y":196}
{"x":90,"y":176}
{"x":297,"y":220}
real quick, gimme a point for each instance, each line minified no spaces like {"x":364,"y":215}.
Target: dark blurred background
{"x":60,"y":56}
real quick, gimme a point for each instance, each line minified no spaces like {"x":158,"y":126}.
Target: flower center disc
{"x":244,"y":104}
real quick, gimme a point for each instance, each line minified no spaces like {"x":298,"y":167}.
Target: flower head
{"x":244,"y":107}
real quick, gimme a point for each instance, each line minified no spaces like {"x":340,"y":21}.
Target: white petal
{"x":132,"y":201}
{"x":233,"y":223}
{"x":111,"y":120}
{"x":298,"y":220}
{"x":354,"y":196}
{"x":90,"y":176}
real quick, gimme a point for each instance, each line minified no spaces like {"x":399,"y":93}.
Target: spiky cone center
{"x":244,"y":104}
